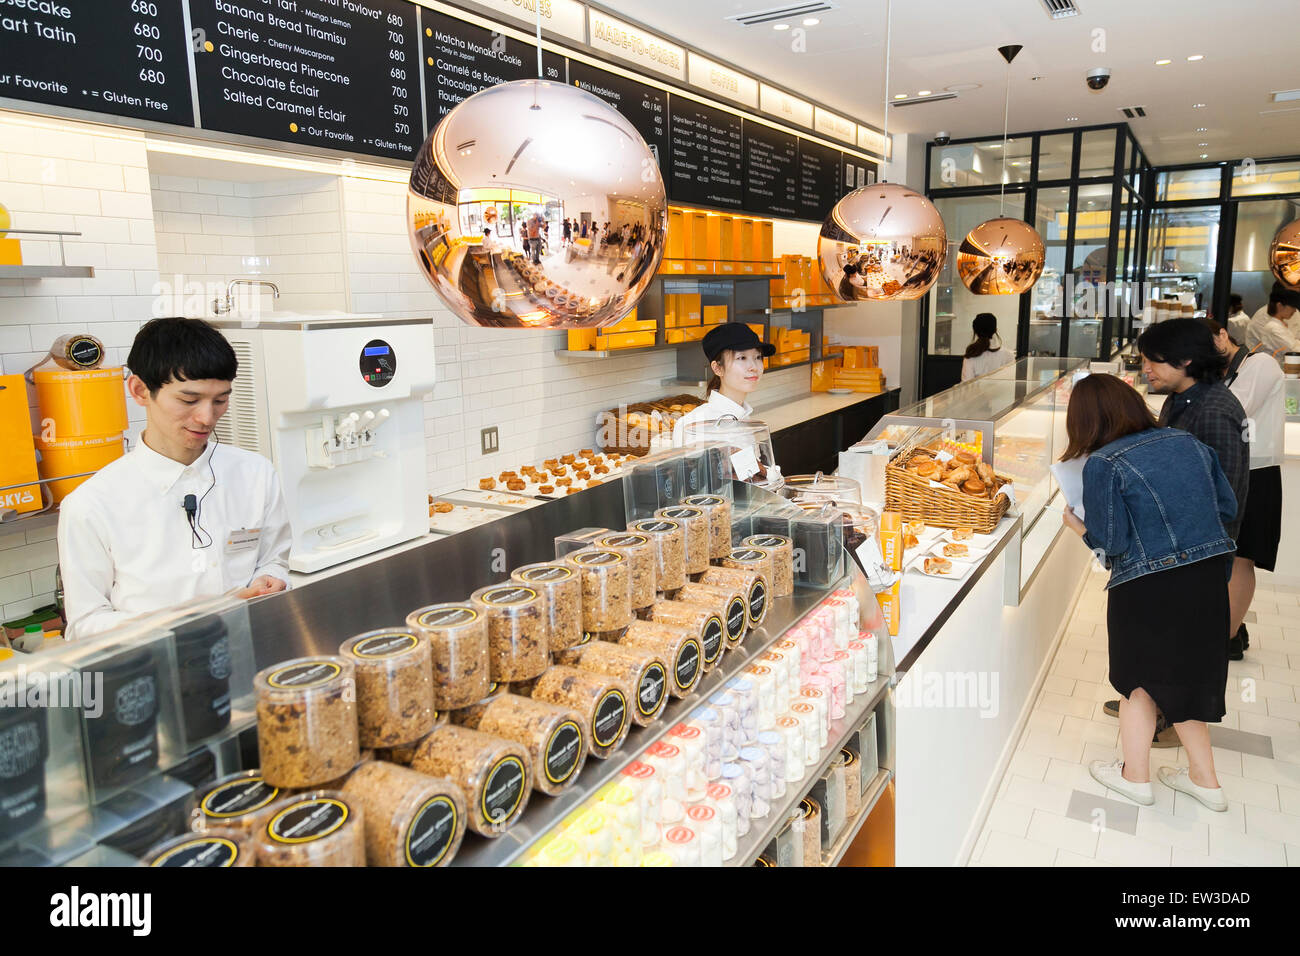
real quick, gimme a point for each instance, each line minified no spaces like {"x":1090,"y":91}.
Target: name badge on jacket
{"x":245,"y":539}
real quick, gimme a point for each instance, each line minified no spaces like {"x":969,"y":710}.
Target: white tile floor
{"x":1028,"y":824}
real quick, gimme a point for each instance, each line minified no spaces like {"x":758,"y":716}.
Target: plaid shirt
{"x":1212,"y":413}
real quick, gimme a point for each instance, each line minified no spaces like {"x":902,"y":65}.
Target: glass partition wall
{"x":1083,"y":190}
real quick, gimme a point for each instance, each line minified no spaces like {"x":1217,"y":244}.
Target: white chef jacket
{"x":125,"y":544}
{"x":717,"y":406}
{"x":986,"y":362}
{"x":1258,"y":386}
{"x":1272,"y":333}
{"x":1237,"y":327}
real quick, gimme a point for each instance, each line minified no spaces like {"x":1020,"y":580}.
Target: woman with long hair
{"x":1155,"y":501}
{"x":982,"y":356}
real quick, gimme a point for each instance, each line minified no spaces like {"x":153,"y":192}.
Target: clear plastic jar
{"x":641,"y":668}
{"x":471,"y":715}
{"x":852,"y":784}
{"x":844,"y":631}
{"x":843,"y":665}
{"x":212,"y":848}
{"x":812,"y":832}
{"x":727,"y":707}
{"x":873,"y":658}
{"x":789,"y":840}
{"x":774,"y":745}
{"x":394,"y":674}
{"x":755,"y":762}
{"x":790,"y":649}
{"x":735,"y":778}
{"x":765,"y":694}
{"x":307,"y":721}
{"x":606,"y":589}
{"x":829,"y":625}
{"x":669,"y":539}
{"x":792,"y":739}
{"x":593,"y":838}
{"x":746,"y":695}
{"x":730,"y":604}
{"x":718,"y":511}
{"x":810,"y":726}
{"x":722,"y":800}
{"x":849,"y":597}
{"x":690,"y":738}
{"x":815,"y":692}
{"x":318,"y":828}
{"x":518,"y":630}
{"x":782,"y":550}
{"x":679,"y":647}
{"x":702,"y":622}
{"x":682,"y":845}
{"x":696,"y":523}
{"x":751,"y":583}
{"x":553,"y":735}
{"x":458,"y":637}
{"x":640,"y":553}
{"x":410,"y":819}
{"x":563,"y":589}
{"x":621,"y":809}
{"x":703,"y":819}
{"x":706,"y":718}
{"x":648,"y":787}
{"x":669,"y":762}
{"x":600,"y":699}
{"x":779,"y":664}
{"x":749,"y":558}
{"x":235,"y":802}
{"x":491,"y":771}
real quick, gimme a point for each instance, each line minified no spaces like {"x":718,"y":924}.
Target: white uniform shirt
{"x":1271,"y":333}
{"x":1237,"y":327}
{"x":125,"y":545}
{"x":985,"y":362}
{"x":718,"y":406}
{"x":1258,"y":386}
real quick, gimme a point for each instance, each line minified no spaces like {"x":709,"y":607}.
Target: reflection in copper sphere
{"x":491,"y":190}
{"x":1284,"y":255}
{"x":882,"y":242}
{"x":1002,"y":256}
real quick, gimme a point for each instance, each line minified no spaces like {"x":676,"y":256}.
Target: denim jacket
{"x":1155,"y":500}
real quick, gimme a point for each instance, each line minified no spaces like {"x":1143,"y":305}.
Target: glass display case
{"x":1012,"y":418}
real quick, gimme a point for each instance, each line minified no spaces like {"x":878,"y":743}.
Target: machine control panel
{"x":378,"y":363}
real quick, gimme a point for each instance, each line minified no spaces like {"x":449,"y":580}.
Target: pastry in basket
{"x":959,"y":474}
{"x":962,"y":534}
{"x":928,"y":470}
{"x":956,"y":551}
{"x":965,"y":458}
{"x":487,"y":484}
{"x":973,"y":486}
{"x":985,"y":473}
{"x":937,"y":565}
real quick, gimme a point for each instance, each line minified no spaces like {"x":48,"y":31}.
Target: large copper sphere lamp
{"x":1284,"y":255}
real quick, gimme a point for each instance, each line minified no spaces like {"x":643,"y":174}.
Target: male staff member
{"x":180,"y":516}
{"x":1268,"y":327}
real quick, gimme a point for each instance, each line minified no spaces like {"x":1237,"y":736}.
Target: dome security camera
{"x":1098,"y":78}
{"x":942,"y":138}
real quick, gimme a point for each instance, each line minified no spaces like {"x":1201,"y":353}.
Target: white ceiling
{"x":1249,"y":48}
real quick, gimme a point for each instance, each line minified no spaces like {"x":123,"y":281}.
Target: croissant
{"x":960,"y":473}
{"x":985,"y":472}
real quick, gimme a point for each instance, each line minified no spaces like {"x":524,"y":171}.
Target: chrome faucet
{"x":220,"y":307}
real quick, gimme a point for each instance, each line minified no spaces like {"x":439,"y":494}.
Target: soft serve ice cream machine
{"x":337,"y":405}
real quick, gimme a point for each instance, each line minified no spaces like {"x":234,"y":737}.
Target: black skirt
{"x":1168,"y":634}
{"x":1261,"y":526}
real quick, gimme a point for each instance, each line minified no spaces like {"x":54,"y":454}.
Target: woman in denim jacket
{"x":1155,"y":502}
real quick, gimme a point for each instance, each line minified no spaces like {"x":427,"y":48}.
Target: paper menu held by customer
{"x":1069,"y":475}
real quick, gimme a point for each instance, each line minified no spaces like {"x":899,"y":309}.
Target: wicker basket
{"x":941,"y":507}
{"x":617,"y":436}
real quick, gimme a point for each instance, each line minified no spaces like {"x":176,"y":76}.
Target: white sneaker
{"x":1180,"y":778}
{"x":1111,"y":776}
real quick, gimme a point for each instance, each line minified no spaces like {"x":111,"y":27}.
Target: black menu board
{"x":857,"y":172}
{"x":707,"y":155}
{"x":771,"y":171}
{"x":819,"y":179}
{"x":125,"y":57}
{"x":342,"y":74}
{"x":461,"y":59}
{"x":642,"y":105}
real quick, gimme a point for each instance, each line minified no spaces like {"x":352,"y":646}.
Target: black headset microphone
{"x":193,"y":506}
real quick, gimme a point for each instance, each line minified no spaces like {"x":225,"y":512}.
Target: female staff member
{"x":735,"y":357}
{"x":1155,"y":502}
{"x":982,"y":356}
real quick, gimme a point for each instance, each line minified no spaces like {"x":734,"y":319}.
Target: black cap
{"x":735,"y":336}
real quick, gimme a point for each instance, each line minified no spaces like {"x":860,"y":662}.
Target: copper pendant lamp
{"x":1284,"y":255}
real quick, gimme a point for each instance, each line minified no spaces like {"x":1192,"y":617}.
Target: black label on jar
{"x":448,"y":617}
{"x":85,"y":352}
{"x":757,"y":600}
{"x":704,"y":501}
{"x":611,"y":714}
{"x":712,"y":638}
{"x":136,"y":701}
{"x":562,"y":752}
{"x":20,"y":749}
{"x":509,"y":596}
{"x":597,"y":558}
{"x":305,"y":675}
{"x":503,"y":790}
{"x":656,"y":526}
{"x":201,"y":851}
{"x":766,"y":541}
{"x":687,"y":665}
{"x":624,"y":541}
{"x":650,"y":690}
{"x":747,"y":554}
{"x":681,"y":513}
{"x":737,"y":619}
{"x":545,"y":574}
{"x":238,"y":797}
{"x":431,"y":832}
{"x":385,"y":645}
{"x":219,"y":660}
{"x":307,"y":821}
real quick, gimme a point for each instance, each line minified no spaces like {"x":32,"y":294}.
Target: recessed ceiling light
{"x":1198,"y":106}
{"x":811,"y":22}
{"x":962,"y":87}
{"x":1195,"y":56}
{"x":1202,"y":144}
{"x":780,"y":26}
{"x":1163,"y":62}
{"x":922,"y":92}
{"x":1202,"y":129}
{"x":1205,"y":155}
{"x":1072,"y":119}
{"x":900,"y":96}
{"x":1015,"y":164}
